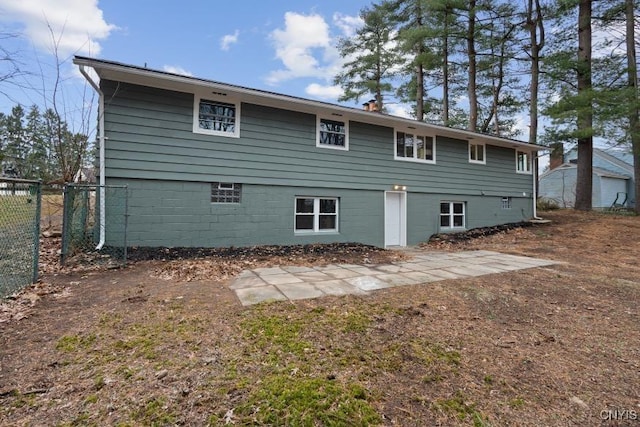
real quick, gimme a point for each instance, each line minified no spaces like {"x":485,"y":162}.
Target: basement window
{"x":316,"y":214}
{"x":226,"y":192}
{"x":452,"y":215}
{"x":506,"y":203}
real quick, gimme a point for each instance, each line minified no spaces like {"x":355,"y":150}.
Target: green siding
{"x":150,"y":136}
{"x":423,"y":213}
{"x":151,"y":148}
{"x":169,"y":213}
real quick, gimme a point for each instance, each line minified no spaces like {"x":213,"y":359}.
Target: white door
{"x":394,"y":219}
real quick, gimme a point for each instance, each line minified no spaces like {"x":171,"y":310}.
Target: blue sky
{"x":281,"y":46}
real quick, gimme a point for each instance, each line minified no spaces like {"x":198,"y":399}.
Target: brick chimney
{"x":373,"y":106}
{"x":556,"y":158}
{"x":365,"y":106}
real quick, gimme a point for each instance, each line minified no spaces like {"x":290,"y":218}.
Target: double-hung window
{"x":316,"y":214}
{"x":523,"y":162}
{"x":477,"y":153}
{"x":333,"y":133}
{"x":410,"y":146}
{"x":452,"y":215}
{"x":213,"y":116}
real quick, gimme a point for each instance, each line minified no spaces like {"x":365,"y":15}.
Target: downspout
{"x":535,"y":186}
{"x":101,"y":139}
{"x":534,"y":192}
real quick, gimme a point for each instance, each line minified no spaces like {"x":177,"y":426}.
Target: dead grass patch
{"x":545,"y":346}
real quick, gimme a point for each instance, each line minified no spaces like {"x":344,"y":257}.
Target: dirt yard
{"x":166,"y":342}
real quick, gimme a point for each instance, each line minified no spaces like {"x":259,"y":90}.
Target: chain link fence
{"x":86,"y":239}
{"x":19,"y":233}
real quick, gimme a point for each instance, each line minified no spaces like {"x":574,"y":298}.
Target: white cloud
{"x":399,"y":110}
{"x":295,"y":45}
{"x":77,"y":25}
{"x":347,"y":24}
{"x":176,"y":70}
{"x":522,"y":127}
{"x":307,"y":49}
{"x":324,"y":92}
{"x":229,"y":39}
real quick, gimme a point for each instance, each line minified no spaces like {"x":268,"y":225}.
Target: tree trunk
{"x":419,"y":69}
{"x":445,"y":71}
{"x":585,"y":114}
{"x":471,"y":53}
{"x":536,"y":28}
{"x":420,"y":88}
{"x":634,"y":114}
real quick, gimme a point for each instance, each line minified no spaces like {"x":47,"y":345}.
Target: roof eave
{"x":144,"y":76}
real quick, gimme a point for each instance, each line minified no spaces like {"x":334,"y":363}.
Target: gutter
{"x":101,"y":139}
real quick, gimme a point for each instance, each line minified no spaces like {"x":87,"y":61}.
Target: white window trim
{"x":334,"y":119}
{"x":316,"y":215}
{"x":451,"y":214}
{"x":484,"y":153}
{"x":529,"y":163}
{"x":412,"y":159}
{"x":196,"y":116}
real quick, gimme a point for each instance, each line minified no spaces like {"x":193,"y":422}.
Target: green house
{"x":209,"y":164}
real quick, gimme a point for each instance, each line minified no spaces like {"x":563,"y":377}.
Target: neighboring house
{"x":85,"y":175}
{"x":613,"y":182}
{"x":213,"y":164}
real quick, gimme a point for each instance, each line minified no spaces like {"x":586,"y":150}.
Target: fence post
{"x":66,"y":209}
{"x":36,"y":234}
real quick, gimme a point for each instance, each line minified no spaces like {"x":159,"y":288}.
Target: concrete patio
{"x":294,"y":282}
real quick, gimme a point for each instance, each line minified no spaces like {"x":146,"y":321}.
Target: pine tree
{"x":498,"y":85}
{"x":534,"y":21}
{"x":38,"y":158}
{"x":372,"y":58}
{"x":16,"y":147}
{"x":634,"y":94}
{"x":429,"y":36}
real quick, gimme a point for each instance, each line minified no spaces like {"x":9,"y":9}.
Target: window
{"x":506,"y":203}
{"x":415,"y":147}
{"x":333,"y":134}
{"x":477,"y":153}
{"x":225,"y":192}
{"x":523,"y":162}
{"x":452,"y":214}
{"x":316,"y":214}
{"x":215,"y":117}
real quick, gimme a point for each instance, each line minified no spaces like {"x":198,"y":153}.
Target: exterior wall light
{"x":397,"y":187}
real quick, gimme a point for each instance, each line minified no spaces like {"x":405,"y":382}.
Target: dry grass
{"x":546,"y":346}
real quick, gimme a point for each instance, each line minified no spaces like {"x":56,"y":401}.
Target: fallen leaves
{"x":21,"y":304}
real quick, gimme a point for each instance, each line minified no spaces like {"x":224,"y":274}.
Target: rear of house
{"x":209,"y":164}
